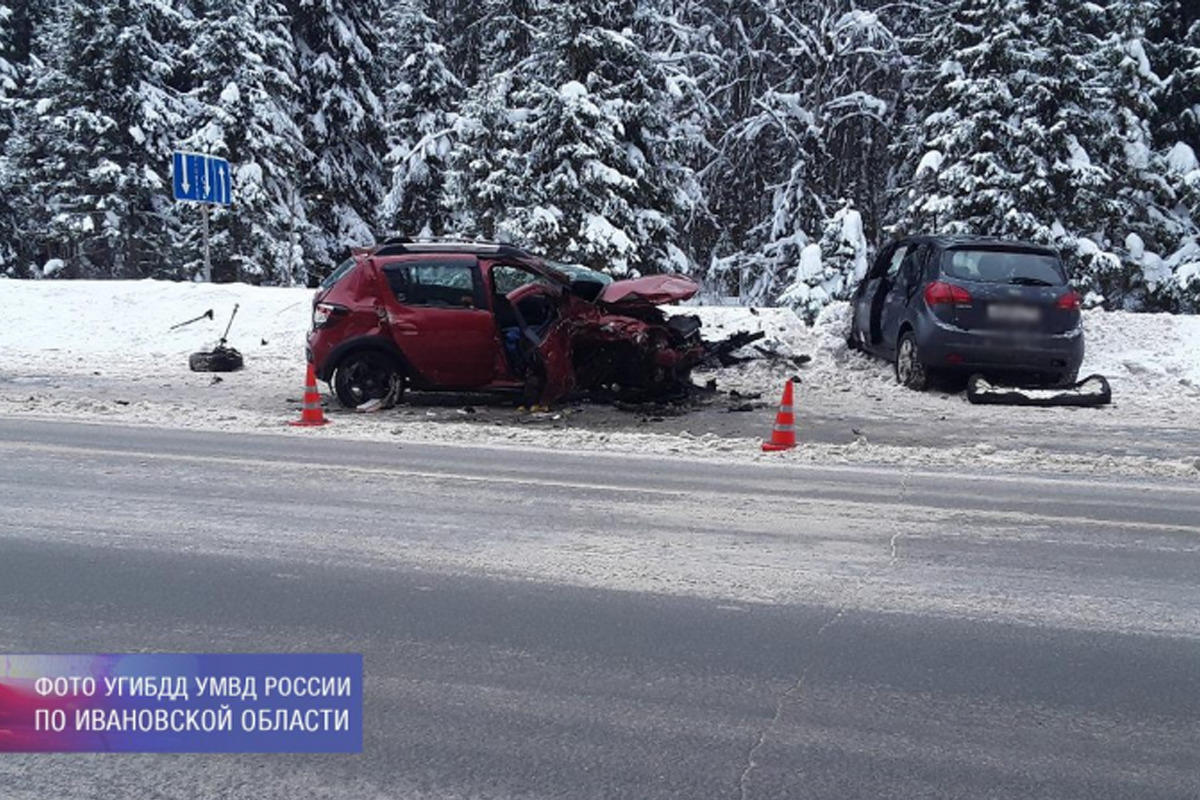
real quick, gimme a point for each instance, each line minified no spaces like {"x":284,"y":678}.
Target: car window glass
{"x":1004,"y":266}
{"x":446,"y":285}
{"x":338,"y":273}
{"x":578,"y":272}
{"x":506,"y":278}
{"x":910,"y":269}
{"x":905,"y":268}
{"x":897,"y":258}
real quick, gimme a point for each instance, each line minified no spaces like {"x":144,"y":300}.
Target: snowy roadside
{"x":103,"y":351}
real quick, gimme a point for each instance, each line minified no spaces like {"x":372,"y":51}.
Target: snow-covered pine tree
{"x":757,"y":180}
{"x":829,"y":269}
{"x":851,"y":88}
{"x":681,"y":38}
{"x":245,"y":110}
{"x":487,"y":175}
{"x":1144,"y":226}
{"x":853,"y":91}
{"x":963,"y":123}
{"x":485,"y":37}
{"x":9,"y":79}
{"x":24,"y":167}
{"x":1174,"y":35}
{"x":342,"y":120}
{"x":604,"y":181}
{"x":1015,"y":117}
{"x":95,"y":137}
{"x":1008,"y":122}
{"x":489,"y":43}
{"x":8,"y":71}
{"x":817,"y":132}
{"x":422,"y":102}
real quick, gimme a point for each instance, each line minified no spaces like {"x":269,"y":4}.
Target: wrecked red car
{"x":477,"y":316}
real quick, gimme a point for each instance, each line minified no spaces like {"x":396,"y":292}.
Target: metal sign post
{"x":203,"y":179}
{"x":207,"y":256}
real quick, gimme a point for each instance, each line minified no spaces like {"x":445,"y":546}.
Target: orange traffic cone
{"x":783,"y":435}
{"x":312,"y":414}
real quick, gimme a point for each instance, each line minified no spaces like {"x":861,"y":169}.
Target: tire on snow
{"x":220,"y":359}
{"x":910,"y":372}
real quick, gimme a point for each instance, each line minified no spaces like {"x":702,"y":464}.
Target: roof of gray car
{"x":944,"y":240}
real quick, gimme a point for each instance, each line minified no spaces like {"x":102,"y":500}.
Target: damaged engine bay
{"x":633,"y":352}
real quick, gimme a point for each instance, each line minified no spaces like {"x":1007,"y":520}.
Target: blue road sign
{"x":198,"y":178}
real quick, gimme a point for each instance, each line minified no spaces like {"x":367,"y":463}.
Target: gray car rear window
{"x":1003,"y":266}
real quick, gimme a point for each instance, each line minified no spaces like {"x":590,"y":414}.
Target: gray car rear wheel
{"x":909,"y":370}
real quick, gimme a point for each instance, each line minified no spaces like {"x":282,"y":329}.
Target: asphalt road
{"x":562,"y":625}
{"x":1083,"y":432}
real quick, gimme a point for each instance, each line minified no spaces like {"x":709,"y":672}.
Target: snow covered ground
{"x":104,"y":351}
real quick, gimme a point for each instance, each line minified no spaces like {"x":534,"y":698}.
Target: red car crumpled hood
{"x":652,"y":289}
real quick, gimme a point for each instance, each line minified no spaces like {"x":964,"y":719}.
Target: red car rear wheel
{"x":367,"y":375}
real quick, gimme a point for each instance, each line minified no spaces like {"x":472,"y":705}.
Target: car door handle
{"x":405,"y":328}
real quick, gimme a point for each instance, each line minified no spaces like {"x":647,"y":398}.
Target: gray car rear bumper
{"x":943,"y":346}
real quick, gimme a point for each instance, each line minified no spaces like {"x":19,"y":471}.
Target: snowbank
{"x":87,"y":325}
{"x":104,"y":350}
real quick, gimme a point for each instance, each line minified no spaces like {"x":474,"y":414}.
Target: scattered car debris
{"x":722,"y":352}
{"x":206,"y":315}
{"x":1091,"y":391}
{"x":653,"y":410}
{"x":375,"y":404}
{"x":221,"y":358}
{"x":796,"y":360}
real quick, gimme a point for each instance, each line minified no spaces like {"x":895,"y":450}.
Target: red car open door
{"x":439,"y":318}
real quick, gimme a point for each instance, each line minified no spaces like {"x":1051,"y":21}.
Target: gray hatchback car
{"x":969,"y":304}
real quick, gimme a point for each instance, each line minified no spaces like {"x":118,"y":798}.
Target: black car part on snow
{"x":221,"y":358}
{"x":206,"y":315}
